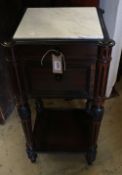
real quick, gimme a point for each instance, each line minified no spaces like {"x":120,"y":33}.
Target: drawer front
{"x":37,"y":80}
{"x":83,"y":51}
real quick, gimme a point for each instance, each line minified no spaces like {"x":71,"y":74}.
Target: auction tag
{"x":57,"y":64}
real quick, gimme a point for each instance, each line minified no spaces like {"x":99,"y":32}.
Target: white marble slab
{"x":59,"y":23}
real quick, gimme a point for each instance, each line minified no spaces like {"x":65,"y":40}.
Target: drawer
{"x":75,"y":82}
{"x":70,"y":51}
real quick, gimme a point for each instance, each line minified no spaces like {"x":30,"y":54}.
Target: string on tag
{"x":54,"y":51}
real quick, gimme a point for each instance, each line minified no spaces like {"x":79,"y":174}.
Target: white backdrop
{"x":113,"y":20}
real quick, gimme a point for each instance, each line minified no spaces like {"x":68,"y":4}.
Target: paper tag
{"x":57,"y":64}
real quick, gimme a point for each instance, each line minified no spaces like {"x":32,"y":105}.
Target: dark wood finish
{"x":85,"y":3}
{"x":95,"y":107}
{"x":61,"y":131}
{"x":80,"y":69}
{"x":25,"y":115}
{"x":27,"y":73}
{"x":10,"y":15}
{"x":76,"y":3}
{"x":35,"y":3}
{"x":85,"y":77}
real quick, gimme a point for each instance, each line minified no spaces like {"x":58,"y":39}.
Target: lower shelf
{"x":61,"y":130}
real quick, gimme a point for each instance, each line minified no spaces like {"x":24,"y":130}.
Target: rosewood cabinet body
{"x":85,"y":76}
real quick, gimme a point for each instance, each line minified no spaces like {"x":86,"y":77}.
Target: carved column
{"x":22,"y":102}
{"x":95,"y":107}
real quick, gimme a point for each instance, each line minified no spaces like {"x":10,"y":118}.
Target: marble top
{"x":60,"y":23}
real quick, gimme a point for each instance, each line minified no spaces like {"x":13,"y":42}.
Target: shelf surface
{"x":61,"y":131}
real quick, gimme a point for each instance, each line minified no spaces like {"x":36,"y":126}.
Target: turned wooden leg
{"x":94,"y":107}
{"x":95,"y":118}
{"x":25,"y":115}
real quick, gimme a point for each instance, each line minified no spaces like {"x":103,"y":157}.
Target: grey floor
{"x":13,"y":160}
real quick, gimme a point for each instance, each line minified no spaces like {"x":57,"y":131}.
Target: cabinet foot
{"x":32,"y":155}
{"x":91,"y":155}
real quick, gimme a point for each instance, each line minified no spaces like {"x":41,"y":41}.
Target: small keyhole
{"x":58,"y":77}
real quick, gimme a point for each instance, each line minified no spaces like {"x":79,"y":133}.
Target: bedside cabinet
{"x":61,"y":53}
